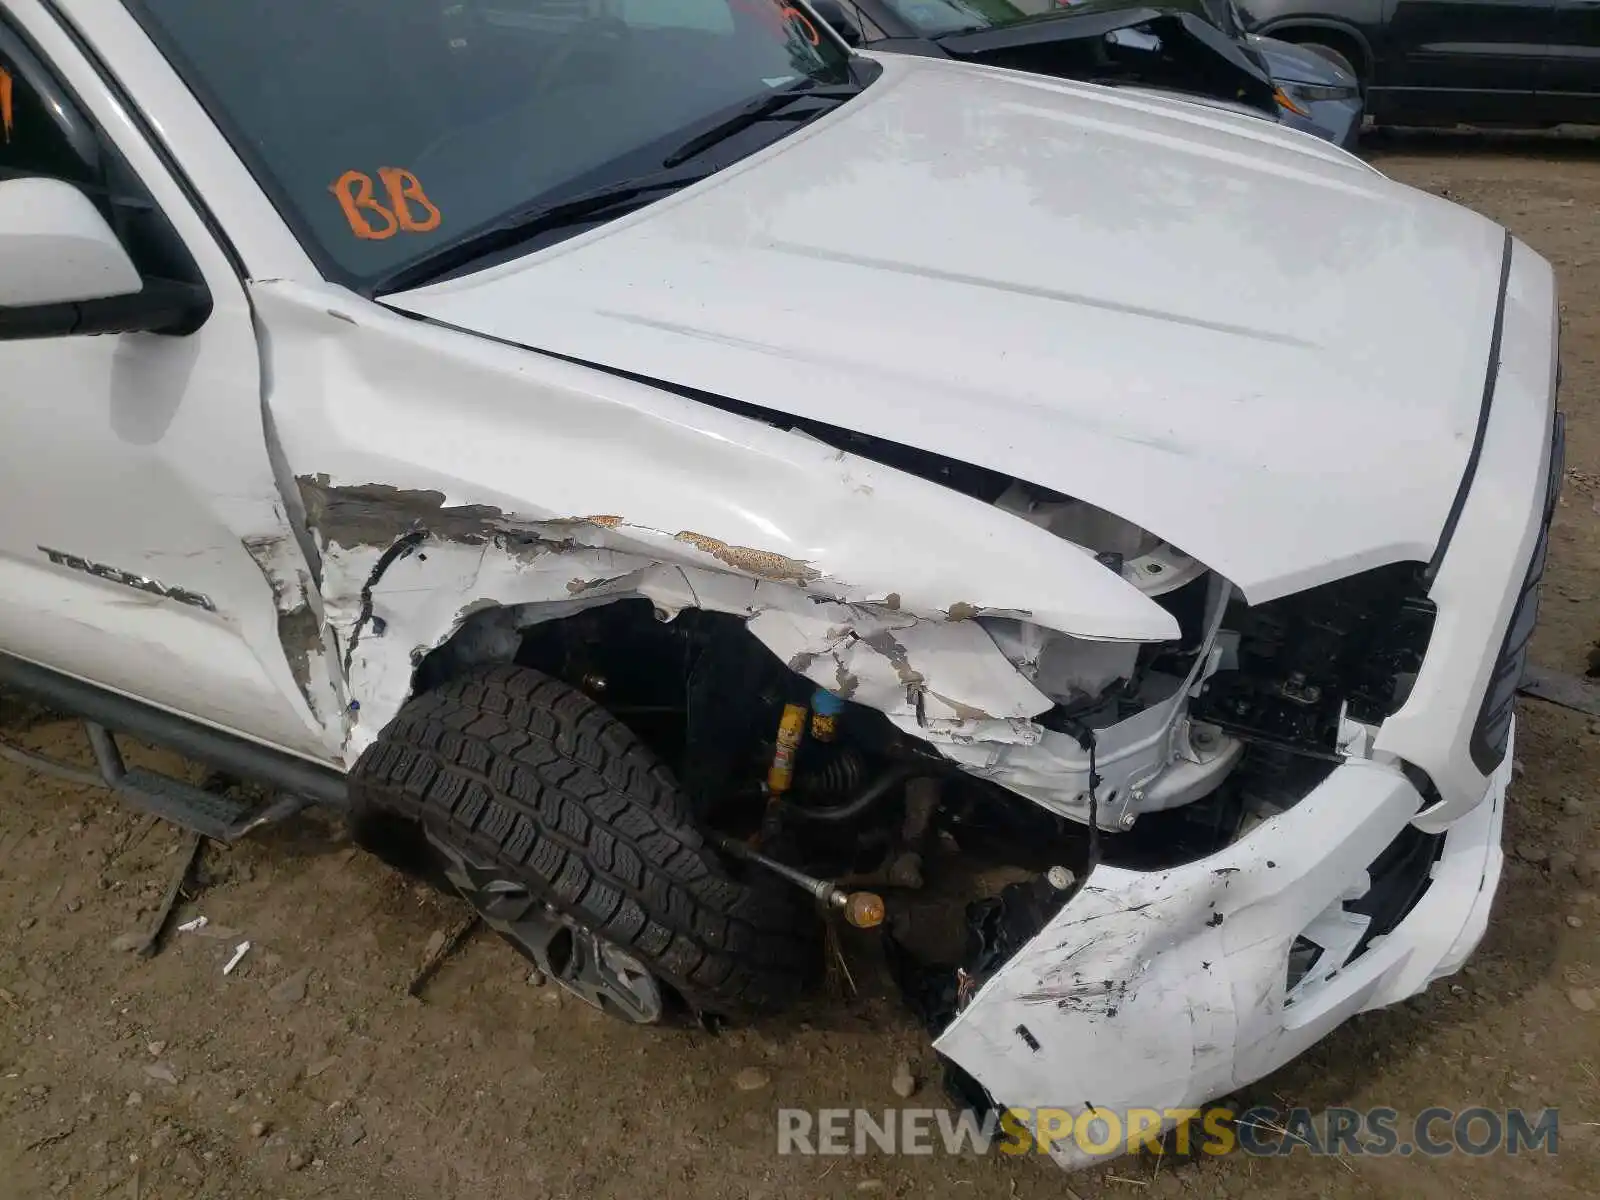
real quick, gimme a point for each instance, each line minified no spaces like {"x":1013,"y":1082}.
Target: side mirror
{"x":63,"y":271}
{"x":56,"y":248}
{"x":832,"y":13}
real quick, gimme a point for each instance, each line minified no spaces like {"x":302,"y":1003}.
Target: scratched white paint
{"x":278,"y":556}
{"x":1166,"y":989}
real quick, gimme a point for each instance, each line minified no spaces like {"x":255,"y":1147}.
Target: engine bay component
{"x":1295,"y":671}
{"x":825,"y":710}
{"x":791,"y":729}
{"x":1144,"y":560}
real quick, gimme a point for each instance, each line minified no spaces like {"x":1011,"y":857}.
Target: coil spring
{"x":834,"y":775}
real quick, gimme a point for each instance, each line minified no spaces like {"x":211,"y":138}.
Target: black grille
{"x":1493,"y":729}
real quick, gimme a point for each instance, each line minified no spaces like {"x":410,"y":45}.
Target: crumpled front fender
{"x":444,"y":473}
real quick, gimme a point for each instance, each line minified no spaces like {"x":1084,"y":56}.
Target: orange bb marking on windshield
{"x":5,"y":104}
{"x":409,"y":208}
{"x":779,"y":18}
{"x":354,"y":190}
{"x":404,"y":191}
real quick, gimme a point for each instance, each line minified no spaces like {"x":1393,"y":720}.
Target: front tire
{"x":575,"y":844}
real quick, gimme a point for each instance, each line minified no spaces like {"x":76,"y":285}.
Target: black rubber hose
{"x":857,"y":804}
{"x":1086,"y":740}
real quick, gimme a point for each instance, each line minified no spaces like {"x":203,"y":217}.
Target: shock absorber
{"x":791,"y":731}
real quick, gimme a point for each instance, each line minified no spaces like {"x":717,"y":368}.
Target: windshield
{"x":934,"y":18}
{"x":385,"y":128}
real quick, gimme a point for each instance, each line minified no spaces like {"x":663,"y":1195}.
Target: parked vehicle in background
{"x":1179,"y":47}
{"x":1315,"y":93}
{"x":1517,"y":62}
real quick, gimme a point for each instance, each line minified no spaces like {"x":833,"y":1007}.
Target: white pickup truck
{"x":657,"y":462}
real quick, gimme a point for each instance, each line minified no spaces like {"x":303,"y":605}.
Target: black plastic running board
{"x":209,"y":814}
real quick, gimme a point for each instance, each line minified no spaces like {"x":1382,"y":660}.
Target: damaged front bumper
{"x":1164,"y":989}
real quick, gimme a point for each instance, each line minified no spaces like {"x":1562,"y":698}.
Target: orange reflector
{"x":1282,"y":97}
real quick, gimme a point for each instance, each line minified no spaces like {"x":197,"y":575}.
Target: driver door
{"x":1471,"y":60}
{"x":144,"y":547}
{"x":1570,"y":87}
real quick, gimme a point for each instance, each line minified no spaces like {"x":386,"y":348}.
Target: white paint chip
{"x":239,"y":952}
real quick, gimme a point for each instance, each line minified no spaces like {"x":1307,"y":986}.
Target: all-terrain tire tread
{"x":511,"y":764}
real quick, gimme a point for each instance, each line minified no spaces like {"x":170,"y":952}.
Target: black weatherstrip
{"x":157,"y":145}
{"x":1490,"y":378}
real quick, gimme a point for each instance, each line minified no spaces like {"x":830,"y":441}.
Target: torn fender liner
{"x":1165,"y":989}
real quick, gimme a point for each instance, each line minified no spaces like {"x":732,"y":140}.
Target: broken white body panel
{"x":350,"y":482}
{"x":1165,"y":989}
{"x":1158,"y":989}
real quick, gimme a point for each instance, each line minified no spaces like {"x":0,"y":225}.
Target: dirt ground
{"x":309,"y":1071}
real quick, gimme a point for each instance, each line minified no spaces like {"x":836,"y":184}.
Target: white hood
{"x":1233,"y":334}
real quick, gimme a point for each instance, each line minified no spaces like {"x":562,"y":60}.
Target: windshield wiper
{"x":520,"y":225}
{"x":761,"y":109}
{"x":602,"y":203}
